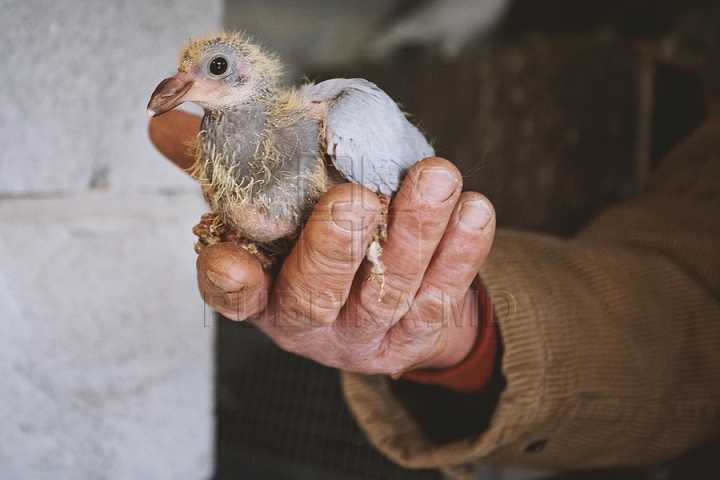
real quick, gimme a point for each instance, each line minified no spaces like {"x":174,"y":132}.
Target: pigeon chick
{"x":267,"y":153}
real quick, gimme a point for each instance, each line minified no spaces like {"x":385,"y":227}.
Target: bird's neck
{"x":239,"y":115}
{"x":231,"y":136}
{"x":248,"y":120}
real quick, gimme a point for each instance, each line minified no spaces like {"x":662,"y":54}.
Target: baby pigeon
{"x":267,"y":153}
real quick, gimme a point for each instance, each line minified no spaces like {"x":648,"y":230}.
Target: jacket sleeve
{"x":611,"y":340}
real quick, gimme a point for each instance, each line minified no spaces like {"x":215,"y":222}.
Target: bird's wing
{"x":368,"y":138}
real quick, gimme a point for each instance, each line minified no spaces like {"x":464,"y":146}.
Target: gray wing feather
{"x":368,"y":138}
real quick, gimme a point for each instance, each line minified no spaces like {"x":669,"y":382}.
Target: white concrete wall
{"x":106,"y":362}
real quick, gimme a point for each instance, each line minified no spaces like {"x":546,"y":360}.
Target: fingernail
{"x":475,"y":214}
{"x":349,"y":216}
{"x":436,"y":184}
{"x":224,"y":283}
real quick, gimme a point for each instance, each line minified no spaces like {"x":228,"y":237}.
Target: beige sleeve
{"x":611,"y":339}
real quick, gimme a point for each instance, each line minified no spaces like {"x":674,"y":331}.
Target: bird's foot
{"x":374,"y":251}
{"x":212,"y":230}
{"x":383,"y":224}
{"x":266,"y":261}
{"x":209,"y":231}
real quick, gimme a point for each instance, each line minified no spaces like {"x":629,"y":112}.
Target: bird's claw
{"x":374,"y":251}
{"x":383,"y":225}
{"x":212,"y":230}
{"x":209,"y":232}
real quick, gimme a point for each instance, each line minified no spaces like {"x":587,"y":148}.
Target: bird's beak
{"x":170,"y":93}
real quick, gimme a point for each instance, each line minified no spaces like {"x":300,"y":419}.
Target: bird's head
{"x":215,"y":72}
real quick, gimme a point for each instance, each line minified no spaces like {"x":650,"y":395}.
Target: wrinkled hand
{"x":321,"y":305}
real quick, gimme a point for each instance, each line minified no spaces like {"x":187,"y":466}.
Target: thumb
{"x":174,"y":134}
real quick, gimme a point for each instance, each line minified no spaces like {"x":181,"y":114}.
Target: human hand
{"x":320,"y":304}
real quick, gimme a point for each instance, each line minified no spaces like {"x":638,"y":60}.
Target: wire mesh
{"x":282,"y":416}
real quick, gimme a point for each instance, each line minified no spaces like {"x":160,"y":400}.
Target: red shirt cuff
{"x":475,"y":370}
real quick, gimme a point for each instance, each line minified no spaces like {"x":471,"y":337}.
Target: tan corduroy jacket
{"x":611,"y":339}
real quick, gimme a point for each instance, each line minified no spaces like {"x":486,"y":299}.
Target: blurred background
{"x":552,"y":108}
{"x":112,"y":367}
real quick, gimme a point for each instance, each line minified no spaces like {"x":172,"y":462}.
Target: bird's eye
{"x":218,"y":65}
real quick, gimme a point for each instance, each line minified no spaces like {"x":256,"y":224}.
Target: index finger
{"x":315,"y":279}
{"x":174,"y":134}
